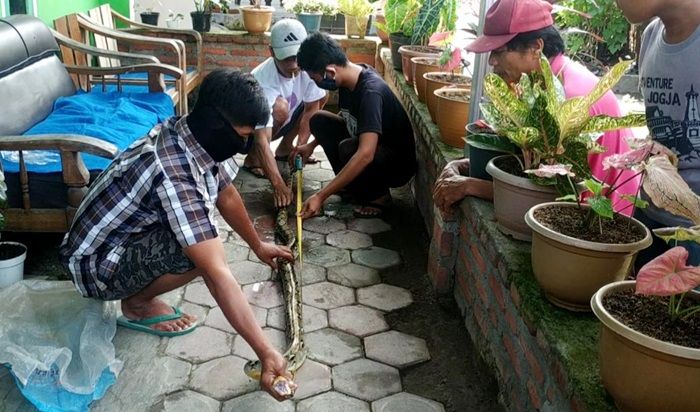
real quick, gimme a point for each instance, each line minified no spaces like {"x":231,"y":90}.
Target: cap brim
{"x":484,"y":43}
{"x":282,"y":53}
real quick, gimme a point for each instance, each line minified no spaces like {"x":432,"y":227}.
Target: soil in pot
{"x":436,"y":80}
{"x":511,"y":166}
{"x":649,"y":315}
{"x":408,"y":52}
{"x":10,"y":251}
{"x":453,"y":110}
{"x":569,"y":221}
{"x":422,"y":65}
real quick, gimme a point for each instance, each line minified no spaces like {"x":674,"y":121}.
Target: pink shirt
{"x":579,"y":81}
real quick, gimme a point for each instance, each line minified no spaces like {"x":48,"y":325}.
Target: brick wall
{"x":544,"y":358}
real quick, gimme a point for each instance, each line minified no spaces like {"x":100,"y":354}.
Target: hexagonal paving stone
{"x":311,"y":274}
{"x":312,"y":318}
{"x":312,"y":240}
{"x":314,"y":378}
{"x":353,"y":275}
{"x":406,"y":402}
{"x":216,"y":319}
{"x":191,"y":348}
{"x":258,"y":401}
{"x":397,"y":349}
{"x":197,"y":292}
{"x":323,"y":224}
{"x":200,"y":312}
{"x":366,"y":379}
{"x":174,"y":297}
{"x":253,"y":185}
{"x":222,"y":378}
{"x":327,"y":256}
{"x":250,"y":272}
{"x":349,"y":239}
{"x":277,"y":339}
{"x":332,"y":346}
{"x":311,"y":185}
{"x":326,"y":295}
{"x":384,"y":297}
{"x":332,"y":401}
{"x":189,"y":401}
{"x":376,"y":257}
{"x":369,"y":226}
{"x":264,"y":294}
{"x":357,"y":319}
{"x":321,"y":175}
{"x":335,"y":207}
{"x":235,"y":252}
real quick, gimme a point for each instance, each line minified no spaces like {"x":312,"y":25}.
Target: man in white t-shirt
{"x":293,"y":98}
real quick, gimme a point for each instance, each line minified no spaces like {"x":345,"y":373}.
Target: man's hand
{"x":312,"y":206}
{"x":455,"y":168}
{"x":304,"y":150}
{"x":449,"y":190}
{"x":283,"y":195}
{"x":267,"y":252}
{"x":273,"y":365}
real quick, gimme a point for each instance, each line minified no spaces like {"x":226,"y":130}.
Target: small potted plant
{"x":148,"y":16}
{"x":400,"y":20}
{"x":357,"y":13}
{"x":650,"y":341}
{"x":309,"y":12}
{"x":174,"y":19}
{"x":201,"y":16}
{"x":12,"y":254}
{"x":257,"y":18}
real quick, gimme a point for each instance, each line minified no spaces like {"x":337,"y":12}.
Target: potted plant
{"x":436,"y":80}
{"x":549,"y":130}
{"x":174,"y":19}
{"x":380,"y":20}
{"x":201,"y":16}
{"x":649,"y":348}
{"x":482,"y":145}
{"x":453,"y":103}
{"x":400,"y":17}
{"x":12,"y":254}
{"x":357,"y":13}
{"x":309,"y":12}
{"x":257,"y":18}
{"x":148,"y":16}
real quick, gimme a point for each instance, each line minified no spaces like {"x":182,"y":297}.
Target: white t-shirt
{"x":298,"y":89}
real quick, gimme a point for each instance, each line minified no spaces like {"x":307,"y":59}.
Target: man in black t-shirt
{"x":370,"y":143}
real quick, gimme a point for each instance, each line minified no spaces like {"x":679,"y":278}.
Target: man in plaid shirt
{"x":147,"y":225}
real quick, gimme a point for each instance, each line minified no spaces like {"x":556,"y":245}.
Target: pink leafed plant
{"x":548,"y":171}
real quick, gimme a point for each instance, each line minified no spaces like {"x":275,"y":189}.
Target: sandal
{"x":378,"y":211}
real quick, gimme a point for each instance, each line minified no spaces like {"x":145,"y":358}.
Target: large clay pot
{"x":569,"y":270}
{"x":420,"y":66}
{"x":396,"y":40}
{"x":640,"y":372}
{"x":436,"y":80}
{"x":453,"y":110}
{"x":257,"y":20}
{"x":513,"y":196}
{"x":409,"y":51}
{"x":356,"y":26}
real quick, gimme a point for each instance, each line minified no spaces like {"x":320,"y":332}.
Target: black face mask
{"x":216,"y":135}
{"x":327,"y":83}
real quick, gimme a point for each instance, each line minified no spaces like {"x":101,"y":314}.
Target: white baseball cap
{"x":286,"y":37}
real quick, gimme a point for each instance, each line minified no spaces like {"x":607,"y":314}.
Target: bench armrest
{"x":61,"y":142}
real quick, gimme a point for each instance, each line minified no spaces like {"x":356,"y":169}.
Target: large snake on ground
{"x":291,"y":289}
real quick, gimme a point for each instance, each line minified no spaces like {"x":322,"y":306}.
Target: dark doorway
{"x":18,"y":7}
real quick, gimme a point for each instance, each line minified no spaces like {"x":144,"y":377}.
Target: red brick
{"x":477,"y":258}
{"x":479,"y":316}
{"x":493,"y":316}
{"x":445,"y":246}
{"x":576,"y":405}
{"x":535,"y":366}
{"x":534,"y":396}
{"x":551,"y":394}
{"x":511,"y":321}
{"x":478,"y":284}
{"x":464,"y":288}
{"x":236,"y":51}
{"x":560,"y":376}
{"x":497,"y":289}
{"x":515,"y":296}
{"x":513,"y":354}
{"x":215,"y":50}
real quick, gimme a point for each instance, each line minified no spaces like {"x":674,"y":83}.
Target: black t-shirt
{"x":373,"y":107}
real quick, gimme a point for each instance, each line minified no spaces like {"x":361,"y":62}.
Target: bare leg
{"x":287,"y":143}
{"x":146,"y":304}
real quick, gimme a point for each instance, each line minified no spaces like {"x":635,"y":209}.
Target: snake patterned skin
{"x":291,"y":289}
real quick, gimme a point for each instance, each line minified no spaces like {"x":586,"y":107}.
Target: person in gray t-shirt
{"x":670,"y":82}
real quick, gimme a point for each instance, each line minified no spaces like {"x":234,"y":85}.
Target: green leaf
{"x":602,"y":206}
{"x":548,"y":129}
{"x":567,"y":198}
{"x":607,"y":82}
{"x":667,"y":189}
{"x":603,"y":123}
{"x":504,"y":100}
{"x":427,"y":21}
{"x":636,"y":201}
{"x":594,"y":186}
{"x":680,"y":234}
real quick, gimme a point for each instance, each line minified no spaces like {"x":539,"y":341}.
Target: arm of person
{"x":357,"y":163}
{"x":451,"y":189}
{"x":304,"y":130}
{"x":459,"y":167}
{"x":282,"y":193}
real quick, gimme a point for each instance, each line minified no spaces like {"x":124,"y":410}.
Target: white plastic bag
{"x":57,"y":344}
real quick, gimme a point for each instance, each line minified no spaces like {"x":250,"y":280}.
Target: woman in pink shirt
{"x":517,"y":33}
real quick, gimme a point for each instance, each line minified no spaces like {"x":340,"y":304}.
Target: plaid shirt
{"x":164,"y":179}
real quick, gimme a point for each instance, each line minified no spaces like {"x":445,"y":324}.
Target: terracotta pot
{"x":356,"y":26}
{"x":410,"y":50}
{"x":513,"y":196}
{"x":257,"y":20}
{"x":434,"y":81}
{"x":569,"y":270}
{"x":452,"y":114}
{"x":420,"y":66}
{"x":396,"y":40}
{"x":642,"y":373}
{"x":379,"y":18}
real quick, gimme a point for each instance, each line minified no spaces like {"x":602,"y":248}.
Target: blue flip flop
{"x":144,"y":325}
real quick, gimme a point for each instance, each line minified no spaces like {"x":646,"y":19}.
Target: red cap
{"x":508,"y":18}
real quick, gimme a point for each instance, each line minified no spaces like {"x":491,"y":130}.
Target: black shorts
{"x":296,"y":116}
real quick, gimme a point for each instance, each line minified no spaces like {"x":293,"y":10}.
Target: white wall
{"x":177,"y":6}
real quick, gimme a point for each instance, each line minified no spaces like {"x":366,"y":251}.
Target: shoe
{"x":255,"y":171}
{"x":380,"y":209}
{"x":144,"y":325}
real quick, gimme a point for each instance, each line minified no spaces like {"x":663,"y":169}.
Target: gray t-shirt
{"x":670,"y":83}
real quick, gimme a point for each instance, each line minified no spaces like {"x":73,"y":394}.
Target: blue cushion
{"x":118,"y":118}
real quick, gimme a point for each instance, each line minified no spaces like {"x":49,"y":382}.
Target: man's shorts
{"x":146,"y":257}
{"x":290,"y":124}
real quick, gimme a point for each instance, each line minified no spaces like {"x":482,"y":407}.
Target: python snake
{"x":291,"y":289}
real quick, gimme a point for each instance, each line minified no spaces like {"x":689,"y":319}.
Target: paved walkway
{"x":378,"y":339}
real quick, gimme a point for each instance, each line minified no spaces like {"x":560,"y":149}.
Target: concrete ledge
{"x":544,"y":358}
